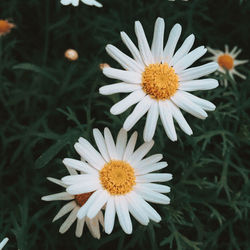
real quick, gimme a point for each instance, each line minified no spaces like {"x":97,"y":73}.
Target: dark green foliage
{"x":48,"y":102}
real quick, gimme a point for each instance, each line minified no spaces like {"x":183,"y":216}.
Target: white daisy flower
{"x":159,"y":80}
{"x":227,"y":61}
{"x":3,"y":243}
{"x":76,"y":202}
{"x":76,"y":2}
{"x":120,"y":179}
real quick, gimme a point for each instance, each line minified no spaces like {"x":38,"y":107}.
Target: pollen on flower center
{"x":159,"y":81}
{"x":117,"y":177}
{"x":226,"y":61}
{"x":81,"y":199}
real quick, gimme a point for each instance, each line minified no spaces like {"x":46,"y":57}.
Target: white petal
{"x":100,"y":218}
{"x":167,"y":119}
{"x":75,"y":2}
{"x":149,"y":160}
{"x":153,"y":178}
{"x":173,"y":38}
{"x":93,"y":226}
{"x":140,"y":110}
{"x":204,"y":104}
{"x":69,"y":221}
{"x":178,"y":116}
{"x":204,"y":84}
{"x":79,"y":165}
{"x":110,"y":144}
{"x":132,"y":48}
{"x":151,"y":122}
{"x":86,"y":151}
{"x":3,"y":242}
{"x":65,"y":2}
{"x":143,"y":44}
{"x":86,"y":187}
{"x":79,"y":227}
{"x":183,"y":50}
{"x":155,"y":187}
{"x":239,"y":62}
{"x":101,"y":144}
{"x":187,"y":105}
{"x":197,"y":72}
{"x":125,"y":61}
{"x":56,"y":181}
{"x":157,"y":44}
{"x":123,"y":75}
{"x":123,"y":214}
{"x":151,"y":168}
{"x":97,"y":205}
{"x":118,"y":88}
{"x":109,"y":218}
{"x":140,"y":153}
{"x":63,"y":196}
{"x":121,"y":143}
{"x":65,"y":209}
{"x":130,"y":146}
{"x":189,"y":59}
{"x":127,"y":102}
{"x":80,"y":178}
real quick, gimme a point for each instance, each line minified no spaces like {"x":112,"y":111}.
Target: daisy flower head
{"x":5,"y":27}
{"x":158,"y":80}
{"x":73,"y":206}
{"x":227,"y":62}
{"x":120,"y":179}
{"x":76,"y":2}
{"x":3,"y":243}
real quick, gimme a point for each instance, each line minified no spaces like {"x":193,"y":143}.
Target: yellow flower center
{"x":226,"y":61}
{"x":159,"y":81}
{"x":117,"y":177}
{"x":5,"y":26}
{"x":81,"y":199}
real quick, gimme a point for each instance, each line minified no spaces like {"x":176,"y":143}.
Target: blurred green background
{"x":47,"y":102}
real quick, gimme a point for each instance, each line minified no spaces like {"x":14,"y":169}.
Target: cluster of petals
{"x":76,"y":2}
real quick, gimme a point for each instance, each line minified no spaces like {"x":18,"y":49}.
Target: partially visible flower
{"x":227,"y":61}
{"x":76,"y":2}
{"x":3,"y":243}
{"x":77,"y":201}
{"x":71,"y":54}
{"x":159,"y":80}
{"x":120,"y":179}
{"x":5,"y":27}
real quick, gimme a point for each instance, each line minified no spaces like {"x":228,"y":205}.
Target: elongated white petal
{"x":123,"y":214}
{"x":151,"y":168}
{"x":64,"y":210}
{"x":86,"y":187}
{"x":109,"y":218}
{"x":167,"y":119}
{"x":140,"y":110}
{"x":173,"y":38}
{"x":183,"y":50}
{"x":121,"y":143}
{"x":149,"y":160}
{"x":132,"y":48}
{"x":101,"y":144}
{"x":65,"y":2}
{"x":155,"y":187}
{"x":80,"y":178}
{"x":110,"y":144}
{"x":189,"y":59}
{"x":118,"y":88}
{"x":178,"y":116}
{"x":187,"y":105}
{"x":63,"y":196}
{"x":197,"y":72}
{"x":125,"y":61}
{"x":204,"y":104}
{"x":151,"y":122}
{"x":204,"y":84}
{"x":157,"y":44}
{"x":3,"y":242}
{"x":93,"y":226}
{"x":130,"y":146}
{"x":154,"y":178}
{"x":127,"y":102}
{"x":56,"y":181}
{"x":239,"y":62}
{"x":79,"y":227}
{"x":122,"y":75}
{"x":69,"y":221}
{"x":143,"y":44}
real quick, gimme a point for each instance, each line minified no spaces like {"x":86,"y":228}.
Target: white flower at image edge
{"x":120,"y":179}
{"x":76,"y":2}
{"x":3,"y":243}
{"x":76,"y":201}
{"x":159,"y":80}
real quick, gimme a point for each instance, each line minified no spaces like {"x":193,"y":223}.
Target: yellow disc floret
{"x":226,"y":61}
{"x":159,"y":81}
{"x":117,"y":177}
{"x":81,"y":199}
